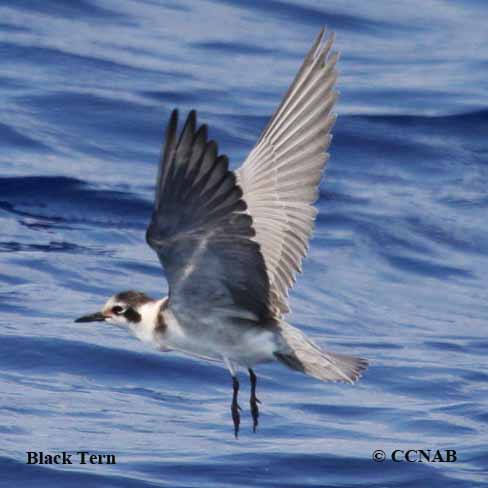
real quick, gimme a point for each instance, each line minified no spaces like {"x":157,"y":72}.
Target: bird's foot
{"x":236,"y":417}
{"x":253,"y":402}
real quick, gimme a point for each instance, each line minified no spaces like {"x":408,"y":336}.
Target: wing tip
{"x":191,"y":121}
{"x":202,"y":132}
{"x":173,"y":119}
{"x":320,"y":35}
{"x":171,"y":128}
{"x":324,"y":41}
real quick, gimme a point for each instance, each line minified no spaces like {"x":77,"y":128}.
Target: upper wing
{"x":202,"y":233}
{"x":280,"y":177}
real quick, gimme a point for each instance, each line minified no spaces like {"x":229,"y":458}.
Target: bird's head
{"x":125,"y":308}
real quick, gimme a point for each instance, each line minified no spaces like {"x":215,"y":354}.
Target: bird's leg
{"x":253,"y":401}
{"x":236,"y":417}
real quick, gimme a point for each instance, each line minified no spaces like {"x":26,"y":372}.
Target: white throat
{"x":144,"y":330}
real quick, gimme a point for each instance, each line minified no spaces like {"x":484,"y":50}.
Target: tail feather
{"x":301,"y":354}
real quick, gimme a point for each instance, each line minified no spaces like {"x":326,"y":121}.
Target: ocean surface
{"x":397,"y":272}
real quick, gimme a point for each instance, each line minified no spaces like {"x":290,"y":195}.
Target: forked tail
{"x":301,"y":354}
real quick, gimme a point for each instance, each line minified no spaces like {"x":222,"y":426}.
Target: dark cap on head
{"x":133,"y":298}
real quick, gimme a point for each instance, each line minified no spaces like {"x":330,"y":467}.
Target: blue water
{"x":397,"y":271}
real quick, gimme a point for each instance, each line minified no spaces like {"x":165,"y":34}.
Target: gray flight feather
{"x":233,"y":242}
{"x":202,"y":233}
{"x":281,"y":175}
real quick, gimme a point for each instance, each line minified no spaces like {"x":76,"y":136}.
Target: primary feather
{"x":202,"y":233}
{"x":280,"y":177}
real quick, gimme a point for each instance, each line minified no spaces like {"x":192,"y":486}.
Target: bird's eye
{"x":117,"y":310}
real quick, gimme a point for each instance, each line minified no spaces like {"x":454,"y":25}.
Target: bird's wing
{"x":202,"y":233}
{"x":280,"y":176}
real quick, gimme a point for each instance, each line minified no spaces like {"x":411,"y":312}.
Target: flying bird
{"x":232,"y":242}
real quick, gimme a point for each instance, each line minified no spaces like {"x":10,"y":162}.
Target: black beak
{"x":94,"y":317}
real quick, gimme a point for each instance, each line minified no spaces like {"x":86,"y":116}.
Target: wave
{"x":65,"y":200}
{"x":314,"y":16}
{"x":12,"y":138}
{"x":17,"y":473}
{"x":296,"y":470}
{"x":76,"y":8}
{"x":455,"y":120}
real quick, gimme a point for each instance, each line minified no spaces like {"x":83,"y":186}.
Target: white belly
{"x":243,"y":345}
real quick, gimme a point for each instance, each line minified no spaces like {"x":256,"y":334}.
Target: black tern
{"x":231,"y":243}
